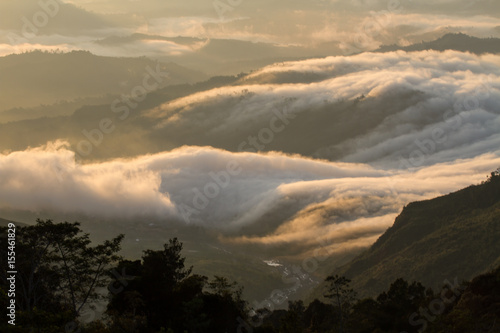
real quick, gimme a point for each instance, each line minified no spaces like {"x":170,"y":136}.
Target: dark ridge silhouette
{"x":458,"y":42}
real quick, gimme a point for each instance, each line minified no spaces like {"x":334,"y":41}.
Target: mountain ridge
{"x":24,"y":77}
{"x":448,"y":237}
{"x":451,"y":41}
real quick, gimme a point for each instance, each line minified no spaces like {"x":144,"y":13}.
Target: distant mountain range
{"x":80,"y":78}
{"x":218,"y":56}
{"x":64,"y":17}
{"x":450,"y":237}
{"x":35,"y":78}
{"x":337,"y":113}
{"x":458,"y":42}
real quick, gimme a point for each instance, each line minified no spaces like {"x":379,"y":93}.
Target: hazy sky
{"x":366,"y":24}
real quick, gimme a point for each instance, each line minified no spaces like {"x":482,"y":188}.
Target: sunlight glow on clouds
{"x":6,"y":49}
{"x":284,"y":198}
{"x":300,"y":23}
{"x":387,"y":103}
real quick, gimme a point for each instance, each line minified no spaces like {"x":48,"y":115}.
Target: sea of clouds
{"x":267,"y":198}
{"x":444,"y":137}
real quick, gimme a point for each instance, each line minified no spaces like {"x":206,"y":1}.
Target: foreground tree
{"x":223,"y":304}
{"x":58,"y":271}
{"x":163,"y":294}
{"x":150,"y":294}
{"x":293,"y":321}
{"x":342,"y":297}
{"x":398,"y":303}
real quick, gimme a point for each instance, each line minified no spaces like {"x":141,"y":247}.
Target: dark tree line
{"x":165,"y":295}
{"x":60,"y":273}
{"x":405,"y":307}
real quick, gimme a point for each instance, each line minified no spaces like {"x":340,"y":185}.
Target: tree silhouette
{"x":342,"y":296}
{"x":292,"y":322}
{"x":58,"y":271}
{"x":154,"y":286}
{"x":222,"y":287}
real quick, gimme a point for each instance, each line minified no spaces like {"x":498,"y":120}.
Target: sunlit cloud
{"x":446,"y":107}
{"x":277,"y":198}
{"x":6,"y":49}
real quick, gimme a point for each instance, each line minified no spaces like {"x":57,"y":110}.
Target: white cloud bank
{"x":392,"y":110}
{"x":428,"y":124}
{"x":269,"y":199}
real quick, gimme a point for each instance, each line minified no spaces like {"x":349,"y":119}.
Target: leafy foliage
{"x":58,"y":271}
{"x":342,"y":296}
{"x":163,"y":294}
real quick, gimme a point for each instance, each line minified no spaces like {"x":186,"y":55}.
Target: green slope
{"x":453,"y":236}
{"x":477,"y":309}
